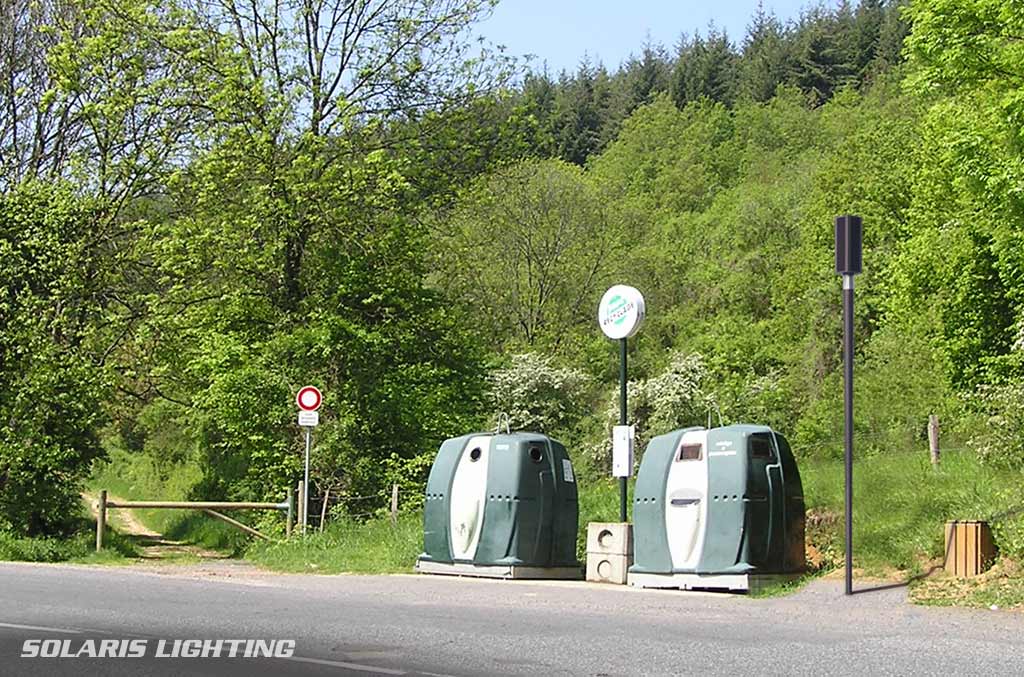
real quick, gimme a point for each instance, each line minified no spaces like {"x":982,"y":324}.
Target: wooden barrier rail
{"x":197,"y":505}
{"x":209,"y":507}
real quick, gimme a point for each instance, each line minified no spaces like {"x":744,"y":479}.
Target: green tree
{"x":764,"y":64}
{"x":706,"y":67}
{"x":822,"y":62}
{"x":527,"y":251}
{"x":55,"y":283}
{"x":580,"y":112}
{"x":966,"y":62}
{"x":283,"y":243}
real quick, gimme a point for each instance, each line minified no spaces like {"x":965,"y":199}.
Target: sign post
{"x":849,"y":236}
{"x":620,"y":315}
{"x":309,"y":400}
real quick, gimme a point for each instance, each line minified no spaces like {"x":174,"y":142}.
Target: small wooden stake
{"x":933,"y":438}
{"x":323,"y":510}
{"x":291,"y":513}
{"x":101,"y":519}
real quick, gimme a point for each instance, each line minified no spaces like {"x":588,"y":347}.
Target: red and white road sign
{"x":309,"y":398}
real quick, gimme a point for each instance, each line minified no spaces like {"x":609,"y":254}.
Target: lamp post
{"x":849,"y":236}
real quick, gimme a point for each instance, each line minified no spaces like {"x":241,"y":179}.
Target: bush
{"x":79,"y":545}
{"x":898,"y":382}
{"x":538,"y":396}
{"x":677,"y":398}
{"x":1001,"y":440}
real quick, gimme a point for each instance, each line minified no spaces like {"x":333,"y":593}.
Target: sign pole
{"x":623,"y":490}
{"x":849,"y":237}
{"x":309,"y":399}
{"x":848,"y":421}
{"x":620,"y":314}
{"x":305,"y":492}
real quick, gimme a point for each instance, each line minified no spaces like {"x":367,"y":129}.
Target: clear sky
{"x":560,"y":32}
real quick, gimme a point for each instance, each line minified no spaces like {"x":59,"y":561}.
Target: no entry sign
{"x":309,"y":398}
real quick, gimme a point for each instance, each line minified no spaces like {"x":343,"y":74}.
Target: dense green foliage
{"x":53,"y":289}
{"x":204,"y":207}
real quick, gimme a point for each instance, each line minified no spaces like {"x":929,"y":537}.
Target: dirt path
{"x":151,"y":545}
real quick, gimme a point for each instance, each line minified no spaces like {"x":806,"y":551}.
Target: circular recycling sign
{"x":621,"y":312}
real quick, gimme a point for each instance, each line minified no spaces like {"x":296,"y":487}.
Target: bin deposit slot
{"x":689,"y":452}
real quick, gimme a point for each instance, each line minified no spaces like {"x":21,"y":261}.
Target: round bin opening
{"x":475,"y":454}
{"x":536,"y":455}
{"x":605,"y":538}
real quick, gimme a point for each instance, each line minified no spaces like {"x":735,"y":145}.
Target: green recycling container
{"x":503,"y":506}
{"x":714,"y":508}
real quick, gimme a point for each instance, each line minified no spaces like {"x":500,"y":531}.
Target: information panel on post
{"x":623,"y":439}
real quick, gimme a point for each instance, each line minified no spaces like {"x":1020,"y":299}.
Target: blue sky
{"x":562,"y":31}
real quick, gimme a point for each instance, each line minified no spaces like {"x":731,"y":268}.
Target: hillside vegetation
{"x":203,"y":208}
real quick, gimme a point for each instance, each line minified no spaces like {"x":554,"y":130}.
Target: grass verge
{"x":375,"y":546}
{"x":900,"y":506}
{"x":79,"y":546}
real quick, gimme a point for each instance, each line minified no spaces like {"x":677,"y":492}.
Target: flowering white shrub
{"x":538,"y":396}
{"x":1001,"y":440}
{"x":677,"y":398}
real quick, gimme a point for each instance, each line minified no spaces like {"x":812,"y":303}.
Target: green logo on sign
{"x":621,"y":311}
{"x":618,"y":309}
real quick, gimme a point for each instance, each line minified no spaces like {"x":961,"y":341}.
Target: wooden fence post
{"x":394,"y":504}
{"x":101,"y":519}
{"x":933,"y":438}
{"x":291,"y":513}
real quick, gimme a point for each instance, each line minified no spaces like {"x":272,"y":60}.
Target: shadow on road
{"x":894,"y":586}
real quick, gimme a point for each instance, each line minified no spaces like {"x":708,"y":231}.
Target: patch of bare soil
{"x":1001,"y":587}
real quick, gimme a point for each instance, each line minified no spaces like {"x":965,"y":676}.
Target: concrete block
{"x":612,"y":538}
{"x":608,"y":568}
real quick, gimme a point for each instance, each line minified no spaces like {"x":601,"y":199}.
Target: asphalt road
{"x":419,"y":625}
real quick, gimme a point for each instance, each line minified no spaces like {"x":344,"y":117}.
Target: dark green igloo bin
{"x":502,"y":506}
{"x":717,"y":509}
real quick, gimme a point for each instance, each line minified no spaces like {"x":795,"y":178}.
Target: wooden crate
{"x":969,"y":548}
